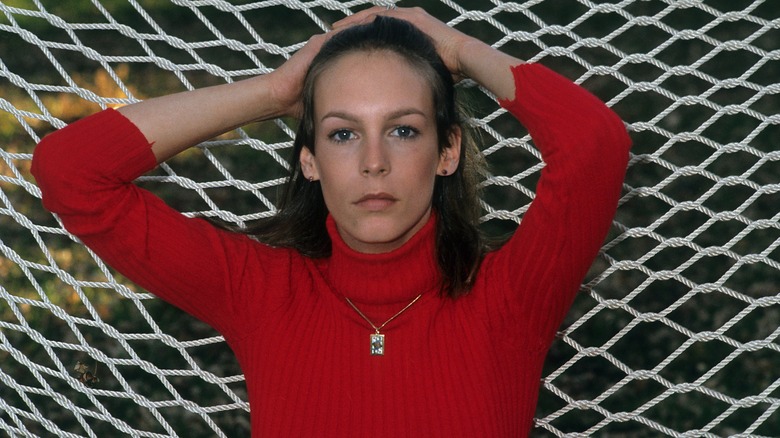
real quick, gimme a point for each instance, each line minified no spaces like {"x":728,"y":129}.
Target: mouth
{"x":376,"y":201}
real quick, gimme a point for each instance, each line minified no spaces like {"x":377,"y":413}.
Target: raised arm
{"x":176,"y":122}
{"x":85,"y":172}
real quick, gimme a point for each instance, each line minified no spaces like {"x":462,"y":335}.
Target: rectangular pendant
{"x":377,"y":344}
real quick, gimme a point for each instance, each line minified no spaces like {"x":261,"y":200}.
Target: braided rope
{"x":677,"y":331}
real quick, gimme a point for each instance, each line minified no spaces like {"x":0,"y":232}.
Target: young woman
{"x":368,"y":306}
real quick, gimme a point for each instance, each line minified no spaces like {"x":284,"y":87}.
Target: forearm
{"x":489,"y":67}
{"x":175,"y":122}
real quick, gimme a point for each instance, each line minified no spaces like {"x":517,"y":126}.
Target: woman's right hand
{"x":287,"y":80}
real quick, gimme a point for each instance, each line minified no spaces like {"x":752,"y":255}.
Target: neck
{"x":393,"y":277}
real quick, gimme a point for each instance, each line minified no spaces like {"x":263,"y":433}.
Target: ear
{"x":309,"y":164}
{"x":450,"y":156}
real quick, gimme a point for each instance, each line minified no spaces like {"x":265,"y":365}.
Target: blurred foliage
{"x":644,"y":347}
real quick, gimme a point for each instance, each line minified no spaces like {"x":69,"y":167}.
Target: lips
{"x":376,"y":201}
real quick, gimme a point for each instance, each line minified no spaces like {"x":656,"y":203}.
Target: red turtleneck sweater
{"x":468,"y":367}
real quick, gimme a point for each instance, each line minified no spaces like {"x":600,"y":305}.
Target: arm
{"x":202,"y":114}
{"x":585,"y":148}
{"x":85,"y":173}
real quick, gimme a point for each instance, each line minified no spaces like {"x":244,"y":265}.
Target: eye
{"x":405,"y":132}
{"x":341,"y":135}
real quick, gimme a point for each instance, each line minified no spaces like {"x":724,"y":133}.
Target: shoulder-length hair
{"x":300,"y":220}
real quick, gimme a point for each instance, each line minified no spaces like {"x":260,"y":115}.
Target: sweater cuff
{"x":102,"y":151}
{"x":535,"y":83}
{"x":125,"y":152}
{"x":550,"y":105}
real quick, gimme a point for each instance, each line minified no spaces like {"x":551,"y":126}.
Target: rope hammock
{"x":675,"y":331}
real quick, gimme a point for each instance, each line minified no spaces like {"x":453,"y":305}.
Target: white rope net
{"x":675,"y":331}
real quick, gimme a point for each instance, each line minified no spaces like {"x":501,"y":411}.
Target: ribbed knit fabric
{"x":469,"y":367}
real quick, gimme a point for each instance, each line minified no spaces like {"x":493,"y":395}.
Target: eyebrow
{"x":392,"y":116}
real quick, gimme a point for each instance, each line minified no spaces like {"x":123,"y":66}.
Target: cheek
{"x":333,"y":181}
{"x":428,"y":165}
{"x":419,"y":178}
{"x":332,"y":168}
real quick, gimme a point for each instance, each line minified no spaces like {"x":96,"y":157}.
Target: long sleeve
{"x":85,"y":173}
{"x":585,"y":149}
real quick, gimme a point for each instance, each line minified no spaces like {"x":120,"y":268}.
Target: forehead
{"x":372,"y":81}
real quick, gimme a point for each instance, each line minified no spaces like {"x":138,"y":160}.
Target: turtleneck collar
{"x":387,"y":278}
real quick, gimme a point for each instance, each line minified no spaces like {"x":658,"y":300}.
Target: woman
{"x":363,"y":318}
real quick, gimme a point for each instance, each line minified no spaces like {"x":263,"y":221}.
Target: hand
{"x":287,"y":80}
{"x":449,"y":42}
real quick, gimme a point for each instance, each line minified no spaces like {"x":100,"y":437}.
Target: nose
{"x":375,"y":160}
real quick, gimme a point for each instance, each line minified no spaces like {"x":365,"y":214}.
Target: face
{"x":376,"y":149}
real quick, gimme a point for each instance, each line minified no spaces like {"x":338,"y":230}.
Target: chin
{"x":376,"y":233}
{"x":378,"y":238}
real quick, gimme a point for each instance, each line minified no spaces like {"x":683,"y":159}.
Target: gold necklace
{"x":378,"y":339}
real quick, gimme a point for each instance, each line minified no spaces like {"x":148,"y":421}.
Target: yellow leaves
{"x":6,"y":266}
{"x":63,"y":257}
{"x":71,"y":106}
{"x":66,"y":106}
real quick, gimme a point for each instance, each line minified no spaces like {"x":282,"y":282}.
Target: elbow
{"x":58,"y":169}
{"x":86,"y":168}
{"x":49,"y":168}
{"x":603,"y":146}
{"x":609,"y":142}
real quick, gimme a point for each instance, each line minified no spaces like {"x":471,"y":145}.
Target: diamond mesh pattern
{"x":675,"y":331}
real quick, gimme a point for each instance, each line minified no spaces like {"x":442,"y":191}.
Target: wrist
{"x":282,"y":98}
{"x":469,"y":52}
{"x":489,"y":67}
{"x":259,"y":98}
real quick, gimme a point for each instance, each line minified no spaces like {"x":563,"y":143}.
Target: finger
{"x":360,"y":17}
{"x":352,"y":20}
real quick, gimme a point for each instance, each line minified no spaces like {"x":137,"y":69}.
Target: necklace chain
{"x":374,"y":326}
{"x":377,"y":340}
